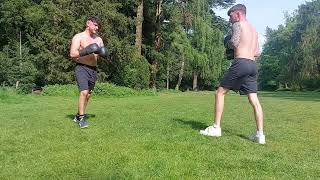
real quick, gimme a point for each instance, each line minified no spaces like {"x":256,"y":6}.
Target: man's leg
{"x":215,"y":129}
{"x":87,"y":100}
{"x":83,"y":99}
{"x":258,"y":113}
{"x":259,"y":137}
{"x":219,"y":104}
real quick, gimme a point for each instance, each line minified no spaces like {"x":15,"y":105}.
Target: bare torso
{"x":80,"y":41}
{"x":248,"y":46}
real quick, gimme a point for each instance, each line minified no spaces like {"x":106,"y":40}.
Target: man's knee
{"x":221,"y":91}
{"x":84,"y":93}
{"x":253,"y":99}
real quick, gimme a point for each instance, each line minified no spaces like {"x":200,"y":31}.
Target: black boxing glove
{"x":103,"y":51}
{"x":92,"y":48}
{"x":226,"y":41}
{"x":229,"y":51}
{"x":230,"y":54}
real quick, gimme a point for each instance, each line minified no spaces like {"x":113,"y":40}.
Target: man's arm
{"x":75,"y":45}
{"x":103,"y":51}
{"x":235,"y":39}
{"x":101,"y":43}
{"x":257,"y":52}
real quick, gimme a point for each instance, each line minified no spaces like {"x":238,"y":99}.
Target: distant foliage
{"x":35,"y":38}
{"x":291,"y":54}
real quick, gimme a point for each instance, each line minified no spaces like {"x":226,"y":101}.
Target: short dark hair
{"x":237,"y":7}
{"x":95,"y":19}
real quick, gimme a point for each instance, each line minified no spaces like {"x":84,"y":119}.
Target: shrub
{"x":136,"y":74}
{"x":61,"y":90}
{"x":101,"y":89}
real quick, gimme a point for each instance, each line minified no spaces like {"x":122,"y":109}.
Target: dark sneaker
{"x":82,"y":122}
{"x":76,"y":119}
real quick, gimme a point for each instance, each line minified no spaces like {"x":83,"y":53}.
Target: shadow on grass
{"x":227,"y":131}
{"x":199,"y":126}
{"x":193,"y":124}
{"x":71,"y":116}
{"x":298,"y":96}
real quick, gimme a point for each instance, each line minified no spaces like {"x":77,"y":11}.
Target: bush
{"x":312,"y":83}
{"x":136,"y":74}
{"x":25,"y":88}
{"x":61,"y":90}
{"x":106,"y":89}
{"x":6,"y":92}
{"x":101,"y":89}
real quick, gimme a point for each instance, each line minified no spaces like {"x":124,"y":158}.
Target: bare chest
{"x":87,"y":41}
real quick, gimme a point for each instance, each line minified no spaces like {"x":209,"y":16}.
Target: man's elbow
{"x":73,"y":55}
{"x":257,"y":55}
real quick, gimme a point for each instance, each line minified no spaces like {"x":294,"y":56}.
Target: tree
{"x":139,"y":22}
{"x":294,"y":47}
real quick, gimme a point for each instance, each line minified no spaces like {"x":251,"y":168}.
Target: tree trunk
{"x":17,"y":84}
{"x":168,"y":74}
{"x":153,"y":69}
{"x":20,"y":56}
{"x":180,"y":74}
{"x":139,"y":22}
{"x":195,"y":81}
{"x":157,"y":44}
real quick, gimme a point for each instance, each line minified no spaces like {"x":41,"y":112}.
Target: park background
{"x":141,"y":126}
{"x":152,"y":44}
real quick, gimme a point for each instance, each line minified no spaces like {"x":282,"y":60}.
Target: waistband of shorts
{"x":90,"y":67}
{"x":243,"y":59}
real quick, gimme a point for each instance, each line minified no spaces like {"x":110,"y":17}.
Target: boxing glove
{"x":92,"y":48}
{"x":229,"y":52}
{"x":103,"y":51}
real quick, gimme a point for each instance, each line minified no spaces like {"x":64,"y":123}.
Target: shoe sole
{"x":84,"y":127}
{"x":205,"y":134}
{"x":253,"y":139}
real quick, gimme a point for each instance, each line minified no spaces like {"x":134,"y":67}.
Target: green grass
{"x":157,"y":137}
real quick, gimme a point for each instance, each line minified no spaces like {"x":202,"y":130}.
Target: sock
{"x":78,"y":116}
{"x":259,"y":132}
{"x":216,"y":126}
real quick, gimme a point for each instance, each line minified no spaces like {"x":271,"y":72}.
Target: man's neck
{"x":87,"y":32}
{"x":242,"y":18}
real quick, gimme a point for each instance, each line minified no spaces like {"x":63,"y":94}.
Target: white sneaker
{"x":211,"y":131}
{"x":261,"y":139}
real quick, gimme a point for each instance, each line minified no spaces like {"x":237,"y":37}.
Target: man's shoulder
{"x":247,"y":25}
{"x":98,"y":38}
{"x":79,"y":35}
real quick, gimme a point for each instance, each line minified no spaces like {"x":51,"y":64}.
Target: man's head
{"x":93,"y":24}
{"x":237,"y":13}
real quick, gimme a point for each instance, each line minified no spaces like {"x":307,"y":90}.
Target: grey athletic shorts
{"x":241,"y":76}
{"x":86,"y":76}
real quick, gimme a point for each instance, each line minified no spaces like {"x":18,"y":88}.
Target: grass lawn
{"x":158,"y":138}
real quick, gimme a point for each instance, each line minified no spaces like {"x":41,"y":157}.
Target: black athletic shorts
{"x":86,"y":76}
{"x":241,"y":76}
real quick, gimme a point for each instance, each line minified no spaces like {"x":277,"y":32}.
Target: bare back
{"x":80,"y":41}
{"x":248,"y":46}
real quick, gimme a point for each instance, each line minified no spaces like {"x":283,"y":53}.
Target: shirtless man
{"x":242,"y":74}
{"x":85,"y":49}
